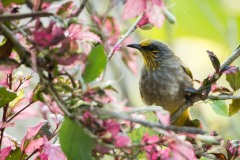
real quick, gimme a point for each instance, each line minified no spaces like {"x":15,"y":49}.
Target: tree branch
{"x":123,"y":116}
{"x":80,"y":9}
{"x":230,"y":59}
{"x":10,"y":17}
{"x":223,"y":97}
{"x":144,"y":109}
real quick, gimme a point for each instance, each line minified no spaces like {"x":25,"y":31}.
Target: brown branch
{"x":80,"y":9}
{"x":230,"y":59}
{"x":10,"y":17}
{"x":213,"y":79}
{"x":223,"y":97}
{"x":123,"y":116}
{"x":19,"y":112}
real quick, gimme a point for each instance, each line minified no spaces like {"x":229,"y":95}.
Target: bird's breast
{"x":162,"y":87}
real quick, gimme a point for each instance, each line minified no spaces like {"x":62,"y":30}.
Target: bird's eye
{"x":150,"y":48}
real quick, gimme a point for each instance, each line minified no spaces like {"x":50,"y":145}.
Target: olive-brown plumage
{"x":163,"y":77}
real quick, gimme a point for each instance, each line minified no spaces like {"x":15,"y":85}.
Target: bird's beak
{"x":135,"y":45}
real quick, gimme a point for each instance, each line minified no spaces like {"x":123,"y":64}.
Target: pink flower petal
{"x":53,"y":151}
{"x":164,"y":117}
{"x":133,"y":8}
{"x":32,"y":131}
{"x":182,"y":150}
{"x":6,"y":124}
{"x":75,"y":31}
{"x":33,"y":145}
{"x":122,"y":141}
{"x":5,"y":152}
{"x":155,"y":8}
{"x":112,"y":127}
{"x":150,"y":139}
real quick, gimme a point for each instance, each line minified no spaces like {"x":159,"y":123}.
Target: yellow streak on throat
{"x":149,"y":60}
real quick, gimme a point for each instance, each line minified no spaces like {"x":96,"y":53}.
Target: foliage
{"x":69,"y":59}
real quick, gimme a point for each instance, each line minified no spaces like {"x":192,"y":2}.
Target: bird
{"x":164,"y":78}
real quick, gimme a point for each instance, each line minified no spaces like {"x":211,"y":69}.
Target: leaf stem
{"x":16,"y":114}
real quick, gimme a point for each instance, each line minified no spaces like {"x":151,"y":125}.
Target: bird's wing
{"x":187,"y":70}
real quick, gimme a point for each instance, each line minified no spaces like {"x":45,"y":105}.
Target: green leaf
{"x":7,"y":2}
{"x":75,"y":142}
{"x":234,"y":80}
{"x":234,"y":107}
{"x":37,"y":93}
{"x":6,"y":96}
{"x":16,"y":154}
{"x":220,"y":107}
{"x":96,"y":63}
{"x":13,"y":103}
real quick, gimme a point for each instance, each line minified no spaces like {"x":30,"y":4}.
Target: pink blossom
{"x":230,"y":70}
{"x":143,"y":21}
{"x":233,"y":148}
{"x":150,"y":139}
{"x":33,"y":145}
{"x":42,"y":156}
{"x":9,"y":141}
{"x":164,"y":117}
{"x":122,"y":141}
{"x":46,"y":37}
{"x":4,"y":81}
{"x":32,"y":131}
{"x":8,"y":66}
{"x":76,"y":32}
{"x":6,"y":124}
{"x":5,"y":152}
{"x":151,"y":7}
{"x":53,"y":151}
{"x":182,"y":150}
{"x":165,"y":154}
{"x":112,"y":127}
{"x":101,"y":149}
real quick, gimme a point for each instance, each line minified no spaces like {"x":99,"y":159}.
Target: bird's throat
{"x":149,"y":60}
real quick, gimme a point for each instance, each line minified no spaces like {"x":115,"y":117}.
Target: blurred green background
{"x":201,"y":25}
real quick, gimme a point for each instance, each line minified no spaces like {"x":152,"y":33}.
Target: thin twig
{"x":122,"y":38}
{"x":80,"y":9}
{"x":123,"y":116}
{"x":230,"y":59}
{"x":144,"y":109}
{"x":9,"y":17}
{"x":223,"y":97}
{"x":19,"y":112}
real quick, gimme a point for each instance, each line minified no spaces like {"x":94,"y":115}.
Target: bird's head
{"x":153,"y":52}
